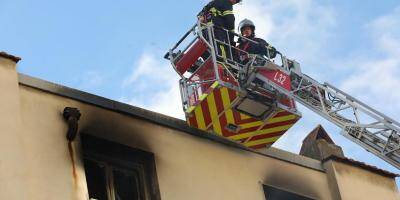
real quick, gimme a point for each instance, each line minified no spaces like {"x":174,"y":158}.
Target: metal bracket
{"x":72,"y":116}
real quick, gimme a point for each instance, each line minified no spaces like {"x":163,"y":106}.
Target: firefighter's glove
{"x":272,"y":51}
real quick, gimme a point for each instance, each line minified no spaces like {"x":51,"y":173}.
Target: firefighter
{"x":219,"y":13}
{"x":261,"y":47}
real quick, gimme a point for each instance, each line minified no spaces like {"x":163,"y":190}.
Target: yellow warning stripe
{"x":227,"y":103}
{"x":215,"y":84}
{"x":190,"y":109}
{"x":261,"y":132}
{"x":262,"y":141}
{"x":243,"y":116}
{"x":230,"y":118}
{"x":199,"y":118}
{"x":214,"y":114}
{"x":203,"y":96}
{"x":214,"y":124}
{"x":270,"y":121}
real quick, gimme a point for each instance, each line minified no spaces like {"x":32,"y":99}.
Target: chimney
{"x":318,"y":145}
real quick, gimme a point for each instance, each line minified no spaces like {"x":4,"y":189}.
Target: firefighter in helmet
{"x":219,"y":13}
{"x":258,"y":47}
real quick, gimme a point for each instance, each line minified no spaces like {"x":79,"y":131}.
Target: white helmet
{"x":246,"y":23}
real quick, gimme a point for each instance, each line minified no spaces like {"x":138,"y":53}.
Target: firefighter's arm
{"x":262,"y":46}
{"x":205,"y":9}
{"x":266,"y":48}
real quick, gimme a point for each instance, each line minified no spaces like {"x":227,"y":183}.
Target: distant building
{"x":60,"y":143}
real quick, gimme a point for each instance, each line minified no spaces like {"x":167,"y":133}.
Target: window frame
{"x":291,"y":193}
{"x":123,"y":158}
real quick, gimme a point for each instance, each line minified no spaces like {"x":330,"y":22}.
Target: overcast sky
{"x":114,"y":49}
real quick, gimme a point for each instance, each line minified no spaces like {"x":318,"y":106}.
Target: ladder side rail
{"x":228,"y":36}
{"x":184,"y":94}
{"x":385,"y":117}
{"x":184,"y":37}
{"x":351,"y":104}
{"x":321,"y":108}
{"x":213,"y":46}
{"x":371,"y":147}
{"x":305,"y":103}
{"x":371,"y":142}
{"x":370,"y":112}
{"x":354,"y":103}
{"x":172,"y":60}
{"x":170,"y":55}
{"x":367,"y":140}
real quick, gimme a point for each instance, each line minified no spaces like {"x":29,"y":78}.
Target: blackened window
{"x":96,"y":180}
{"x":118,"y":172}
{"x":273,"y":193}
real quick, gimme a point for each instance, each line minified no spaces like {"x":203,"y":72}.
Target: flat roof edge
{"x":160,"y":119}
{"x":9,"y":56}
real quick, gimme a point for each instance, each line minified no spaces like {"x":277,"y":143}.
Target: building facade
{"x":61,"y":143}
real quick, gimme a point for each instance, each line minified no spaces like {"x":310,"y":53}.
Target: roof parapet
{"x":9,"y":56}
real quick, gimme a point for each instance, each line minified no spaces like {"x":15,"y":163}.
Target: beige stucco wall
{"x":357,"y":183}
{"x":41,"y":165}
{"x":12,"y":159}
{"x":188,"y":167}
{"x":50,"y":161}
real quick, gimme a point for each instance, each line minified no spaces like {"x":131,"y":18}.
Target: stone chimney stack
{"x":318,"y":145}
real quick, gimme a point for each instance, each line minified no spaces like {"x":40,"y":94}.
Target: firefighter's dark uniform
{"x":262,"y":48}
{"x":220,"y":14}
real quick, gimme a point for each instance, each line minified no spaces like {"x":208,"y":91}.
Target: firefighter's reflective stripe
{"x":223,"y":51}
{"x":214,"y":114}
{"x":215,"y":12}
{"x":227,"y":12}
